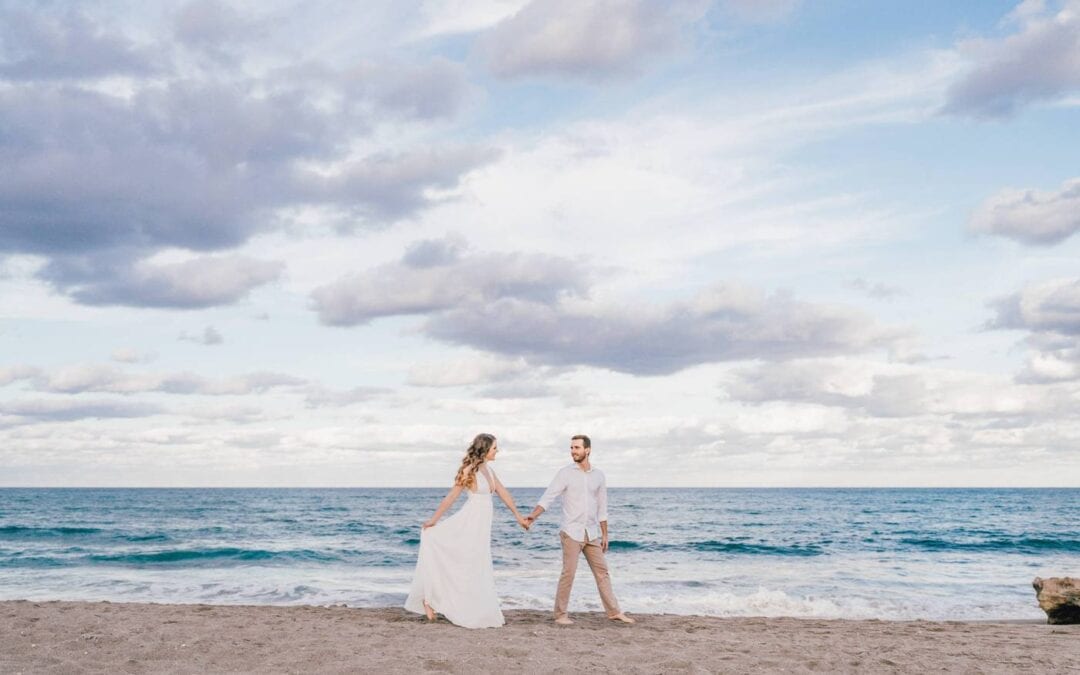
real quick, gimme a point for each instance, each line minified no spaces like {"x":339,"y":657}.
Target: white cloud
{"x":456,"y":372}
{"x":131,"y":355}
{"x":9,"y":374}
{"x":872,"y":390}
{"x":318,"y":396}
{"x":586,"y":38}
{"x":440,"y":17}
{"x":761,"y":10}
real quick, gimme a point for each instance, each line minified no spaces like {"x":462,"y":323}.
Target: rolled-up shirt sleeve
{"x":558,"y":484}
{"x":601,"y":500}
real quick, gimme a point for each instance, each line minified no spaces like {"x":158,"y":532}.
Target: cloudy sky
{"x":738,"y":242}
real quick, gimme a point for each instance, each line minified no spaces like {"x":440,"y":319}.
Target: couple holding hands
{"x":454,"y":574}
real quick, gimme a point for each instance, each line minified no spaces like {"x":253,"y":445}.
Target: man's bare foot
{"x":429,"y":611}
{"x":564,"y":621}
{"x":622,"y":617}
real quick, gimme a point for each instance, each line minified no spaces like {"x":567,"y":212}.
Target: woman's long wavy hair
{"x":474,"y":457}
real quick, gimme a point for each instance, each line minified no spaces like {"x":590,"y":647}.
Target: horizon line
{"x":541,"y":487}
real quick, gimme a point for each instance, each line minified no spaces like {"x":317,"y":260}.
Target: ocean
{"x":963,"y":554}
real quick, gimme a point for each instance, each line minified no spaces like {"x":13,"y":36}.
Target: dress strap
{"x":487,"y":473}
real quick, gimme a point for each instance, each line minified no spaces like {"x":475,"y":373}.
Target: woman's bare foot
{"x":622,"y":617}
{"x":429,"y":611}
{"x":564,"y":621}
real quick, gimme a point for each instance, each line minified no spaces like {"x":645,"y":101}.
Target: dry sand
{"x":79,"y":637}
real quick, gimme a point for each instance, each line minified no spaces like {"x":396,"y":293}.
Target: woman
{"x":454,"y":576}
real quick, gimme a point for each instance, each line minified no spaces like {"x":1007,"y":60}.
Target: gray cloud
{"x":51,"y":410}
{"x":1031,"y":216}
{"x":586,"y":38}
{"x":443,"y":282}
{"x":1039,"y":62}
{"x":36,"y":46}
{"x":1049,"y":307}
{"x":318,"y":396}
{"x":212,"y":27}
{"x":722,"y":324}
{"x":106,"y":379}
{"x":1050,"y":313}
{"x":208,"y":338}
{"x":877,"y":290}
{"x":193,"y":284}
{"x":98,"y":183}
{"x":191,"y":166}
{"x":433,"y":252}
{"x":536,"y":307}
{"x":391,"y":186}
{"x":433,"y":90}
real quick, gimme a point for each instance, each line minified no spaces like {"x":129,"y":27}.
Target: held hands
{"x":525,"y":522}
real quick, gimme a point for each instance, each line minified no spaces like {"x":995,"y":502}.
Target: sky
{"x":737,"y":242}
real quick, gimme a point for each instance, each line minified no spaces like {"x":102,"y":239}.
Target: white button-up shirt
{"x":584,"y":501}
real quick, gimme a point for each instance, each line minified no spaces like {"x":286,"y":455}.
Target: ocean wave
{"x":798,"y":550}
{"x":1032,"y":545}
{"x":732,"y":546}
{"x":27,"y":532}
{"x":188,"y":557}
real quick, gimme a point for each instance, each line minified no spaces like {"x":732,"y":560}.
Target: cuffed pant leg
{"x":594,"y":554}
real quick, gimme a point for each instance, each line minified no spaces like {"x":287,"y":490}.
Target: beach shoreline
{"x":91,"y":637}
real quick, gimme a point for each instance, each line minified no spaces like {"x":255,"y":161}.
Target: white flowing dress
{"x":453,"y":569}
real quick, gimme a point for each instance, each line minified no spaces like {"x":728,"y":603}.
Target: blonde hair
{"x":474,"y":457}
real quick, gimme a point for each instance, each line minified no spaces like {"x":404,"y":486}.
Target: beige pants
{"x":594,"y":554}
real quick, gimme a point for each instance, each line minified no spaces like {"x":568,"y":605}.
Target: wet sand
{"x":81,"y":637}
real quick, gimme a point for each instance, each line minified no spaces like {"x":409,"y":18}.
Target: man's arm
{"x":554,"y":490}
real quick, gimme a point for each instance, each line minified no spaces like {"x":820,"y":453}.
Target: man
{"x":583,"y":528}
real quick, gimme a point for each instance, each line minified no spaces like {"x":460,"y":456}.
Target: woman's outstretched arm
{"x":446,"y":503}
{"x":508,"y":499}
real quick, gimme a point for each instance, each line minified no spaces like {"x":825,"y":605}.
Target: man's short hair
{"x":584,"y":440}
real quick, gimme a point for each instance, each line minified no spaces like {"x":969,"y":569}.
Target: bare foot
{"x":429,"y":611}
{"x":622,"y":617}
{"x":564,"y":621}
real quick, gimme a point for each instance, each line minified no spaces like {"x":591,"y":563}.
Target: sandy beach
{"x":80,"y":637}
